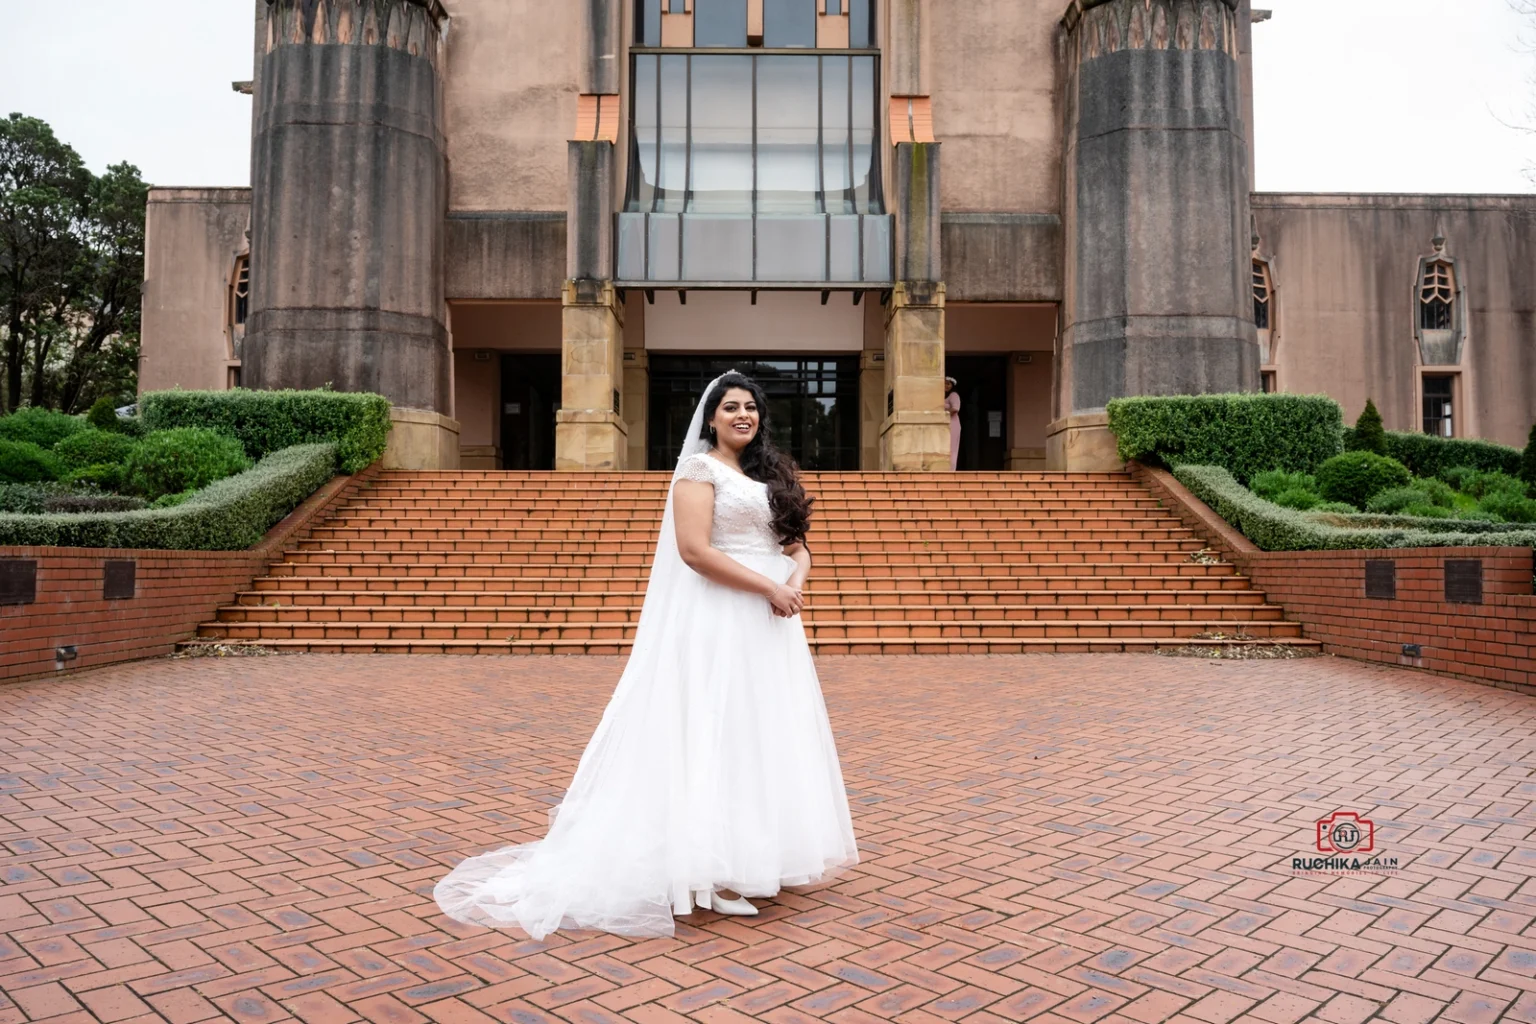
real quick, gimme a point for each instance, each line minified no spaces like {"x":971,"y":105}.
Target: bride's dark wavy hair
{"x":764,"y":463}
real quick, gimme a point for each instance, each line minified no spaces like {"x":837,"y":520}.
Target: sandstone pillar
{"x":914,"y":436}
{"x":349,"y":197}
{"x":590,"y":432}
{"x":1157,"y":297}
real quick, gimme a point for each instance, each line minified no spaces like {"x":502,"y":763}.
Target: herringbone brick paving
{"x":1052,"y":838}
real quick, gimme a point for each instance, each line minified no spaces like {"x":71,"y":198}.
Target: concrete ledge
{"x":1002,"y":257}
{"x":1082,"y":444}
{"x":510,"y":254}
{"x":421,"y":439}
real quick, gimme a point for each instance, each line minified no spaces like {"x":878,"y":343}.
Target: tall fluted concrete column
{"x":1157,"y":297}
{"x":347,"y":223}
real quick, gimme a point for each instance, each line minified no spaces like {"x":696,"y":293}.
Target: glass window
{"x":1261,"y":295}
{"x":1437,"y":406}
{"x":834,"y":6}
{"x":720,"y":23}
{"x":242,"y":289}
{"x":1437,"y":296}
{"x":677,"y":6}
{"x":861,"y":24}
{"x":648,"y":22}
{"x":721,"y":138}
{"x":789,"y":23}
{"x":769,"y":133}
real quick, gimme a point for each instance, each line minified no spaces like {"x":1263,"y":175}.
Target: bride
{"x":712,"y":775}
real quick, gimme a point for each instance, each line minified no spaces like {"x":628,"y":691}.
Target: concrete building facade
{"x":539,"y":228}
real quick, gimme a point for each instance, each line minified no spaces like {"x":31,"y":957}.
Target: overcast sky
{"x":1352,"y":95}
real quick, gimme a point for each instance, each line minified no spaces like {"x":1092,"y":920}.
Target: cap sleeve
{"x":697,"y":467}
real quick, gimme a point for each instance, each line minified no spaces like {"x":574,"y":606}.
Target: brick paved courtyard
{"x":1061,"y":838}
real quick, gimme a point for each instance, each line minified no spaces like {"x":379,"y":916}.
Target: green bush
{"x":1479,"y":484}
{"x":228,"y":515}
{"x":1427,"y":454}
{"x":185,"y":458}
{"x":1396,"y":499}
{"x":1245,"y":434}
{"x":1273,"y":528}
{"x":106,"y":476}
{"x":40,"y":499}
{"x":1369,"y":435}
{"x":1356,"y":477}
{"x":1424,"y":511}
{"x":267,"y":421}
{"x":23,"y":462}
{"x":42,"y":427}
{"x":1511,"y":507}
{"x":172,"y":500}
{"x":1440,"y":493}
{"x":1298,"y":498}
{"x":93,"y":448}
{"x":1277,"y":481}
{"x":1527,"y":470}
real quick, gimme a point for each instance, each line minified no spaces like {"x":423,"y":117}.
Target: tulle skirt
{"x":713,"y":766}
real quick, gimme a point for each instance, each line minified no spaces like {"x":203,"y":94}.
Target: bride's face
{"x":736,"y":419}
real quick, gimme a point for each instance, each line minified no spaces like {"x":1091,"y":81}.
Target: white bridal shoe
{"x":738,"y":906}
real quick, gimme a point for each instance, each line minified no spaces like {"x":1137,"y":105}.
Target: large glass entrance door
{"x":813,"y":405}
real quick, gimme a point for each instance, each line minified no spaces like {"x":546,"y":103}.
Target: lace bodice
{"x":743,"y":522}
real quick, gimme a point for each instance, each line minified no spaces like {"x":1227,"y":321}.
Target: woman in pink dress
{"x":952,"y":404}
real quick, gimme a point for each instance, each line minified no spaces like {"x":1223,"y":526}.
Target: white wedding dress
{"x":713,"y":765}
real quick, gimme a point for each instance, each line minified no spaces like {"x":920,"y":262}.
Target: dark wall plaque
{"x":18,"y":581}
{"x":119,"y":580}
{"x":1464,"y":580}
{"x":1381,"y":579}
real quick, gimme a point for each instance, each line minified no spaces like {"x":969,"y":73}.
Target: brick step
{"x":815,"y":613}
{"x":871,"y":529}
{"x":418,"y":598}
{"x":975,"y":645}
{"x":829,"y":629}
{"x":822,"y":543}
{"x":501,"y":517}
{"x":993,"y":585}
{"x":565,"y":574}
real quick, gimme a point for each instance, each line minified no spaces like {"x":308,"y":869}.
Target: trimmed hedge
{"x":1245,"y":434}
{"x":1428,"y":455}
{"x":229,"y":515}
{"x":268,"y":421}
{"x":1274,"y":528}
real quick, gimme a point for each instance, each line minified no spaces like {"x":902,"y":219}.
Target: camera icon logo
{"x":1346,"y":832}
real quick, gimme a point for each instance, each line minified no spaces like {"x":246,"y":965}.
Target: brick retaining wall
{"x":172,"y":593}
{"x":1488,"y":638}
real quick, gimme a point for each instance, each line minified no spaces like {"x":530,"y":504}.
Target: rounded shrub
{"x":1298,"y":498}
{"x":1392,"y":501}
{"x":93,"y":448}
{"x":1512,"y":508}
{"x":1440,"y":493}
{"x":42,"y":427}
{"x":24,"y":462}
{"x":1481,"y":485}
{"x":106,"y":476}
{"x":1528,"y":460}
{"x":1457,"y":476}
{"x":103,"y":414}
{"x":1424,"y":511}
{"x":1357,"y":477}
{"x":183,"y":459}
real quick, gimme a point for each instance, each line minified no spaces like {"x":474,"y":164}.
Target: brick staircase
{"x":540,"y":563}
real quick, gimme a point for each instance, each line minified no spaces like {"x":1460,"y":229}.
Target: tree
{"x":1369,"y":434}
{"x":1526,"y":42}
{"x":71,"y":262}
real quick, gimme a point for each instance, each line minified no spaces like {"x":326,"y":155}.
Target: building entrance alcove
{"x":983,"y":389}
{"x":813,"y":404}
{"x":530,"y":397}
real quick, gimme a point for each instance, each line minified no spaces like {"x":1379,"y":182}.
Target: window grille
{"x":242,"y":290}
{"x":1437,"y":297}
{"x":1438,"y":411}
{"x":1263,"y":295}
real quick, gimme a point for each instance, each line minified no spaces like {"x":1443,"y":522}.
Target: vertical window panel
{"x":721,"y":136}
{"x":720,"y":23}
{"x":648,"y":22}
{"x":866,"y":192}
{"x":642,"y":149}
{"x":834,"y":6}
{"x":677,"y":6}
{"x":836,"y":138}
{"x":788,"y":175}
{"x":789,"y":23}
{"x":861,"y":24}
{"x":672,"y":159}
